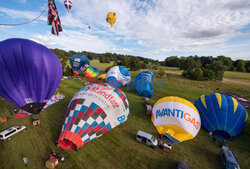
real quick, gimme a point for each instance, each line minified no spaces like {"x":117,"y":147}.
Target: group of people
{"x":56,"y":155}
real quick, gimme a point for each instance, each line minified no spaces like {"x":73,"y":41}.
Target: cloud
{"x":75,"y":40}
{"x":154,"y":27}
{"x":21,"y":14}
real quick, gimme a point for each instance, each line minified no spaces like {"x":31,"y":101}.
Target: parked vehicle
{"x":182,"y":165}
{"x":10,"y":132}
{"x":146,"y":139}
{"x":228,"y":159}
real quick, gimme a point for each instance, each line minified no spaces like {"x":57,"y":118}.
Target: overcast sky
{"x":148,"y":28}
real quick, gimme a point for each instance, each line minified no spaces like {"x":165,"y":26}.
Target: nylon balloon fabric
{"x":222,"y":115}
{"x":118,"y":76}
{"x":91,"y":72}
{"x":143,"y":84}
{"x":175,"y":119}
{"x":94,"y":110}
{"x":30,"y":73}
{"x":79,"y":63}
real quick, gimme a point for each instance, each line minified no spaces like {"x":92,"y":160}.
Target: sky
{"x":153,"y":29}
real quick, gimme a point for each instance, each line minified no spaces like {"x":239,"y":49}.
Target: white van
{"x":10,"y":132}
{"x":146,"y":139}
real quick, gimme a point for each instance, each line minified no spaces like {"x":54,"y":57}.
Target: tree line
{"x":195,"y":67}
{"x":206,"y":67}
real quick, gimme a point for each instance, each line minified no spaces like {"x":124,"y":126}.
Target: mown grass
{"x":237,"y":75}
{"x":118,"y":148}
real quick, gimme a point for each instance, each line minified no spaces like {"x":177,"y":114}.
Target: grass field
{"x":118,"y":148}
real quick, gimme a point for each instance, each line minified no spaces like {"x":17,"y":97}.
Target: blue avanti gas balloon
{"x":143,"y":84}
{"x":29,"y":73}
{"x":118,"y":76}
{"x":222,"y":115}
{"x":79,"y":63}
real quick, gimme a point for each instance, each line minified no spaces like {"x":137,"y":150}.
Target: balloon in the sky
{"x":111,"y":18}
{"x":91,"y":72}
{"x":118,"y":76}
{"x":222,"y":115}
{"x":79,"y":63}
{"x":143,"y":83}
{"x":89,"y":27}
{"x":68,"y":4}
{"x":176,"y":119}
{"x":93,"y":111}
{"x":30,"y":74}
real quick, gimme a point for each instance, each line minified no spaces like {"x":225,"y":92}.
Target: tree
{"x":208,"y":74}
{"x":218,"y":68}
{"x":247,"y":66}
{"x":187,"y":63}
{"x":161,"y":72}
{"x":172,"y":61}
{"x":134,"y":63}
{"x":197,"y":74}
{"x":241,"y":66}
{"x":227,"y":61}
{"x":101,"y":59}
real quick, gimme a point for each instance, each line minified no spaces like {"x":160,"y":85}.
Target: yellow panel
{"x":178,"y":100}
{"x":246,"y":117}
{"x":235,"y":104}
{"x":203,"y":100}
{"x":218,"y":96}
{"x":175,"y":131}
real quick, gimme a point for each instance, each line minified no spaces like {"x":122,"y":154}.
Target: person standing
{"x":25,"y":161}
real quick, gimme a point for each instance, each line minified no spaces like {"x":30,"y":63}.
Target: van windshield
{"x":1,"y":136}
{"x":232,"y":166}
{"x":153,"y":139}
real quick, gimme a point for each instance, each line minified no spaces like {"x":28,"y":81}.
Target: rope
{"x":16,"y":24}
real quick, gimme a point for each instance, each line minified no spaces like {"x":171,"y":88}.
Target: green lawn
{"x":118,"y":148}
{"x":237,"y":75}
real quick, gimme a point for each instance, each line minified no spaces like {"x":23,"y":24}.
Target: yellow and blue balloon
{"x":175,"y":119}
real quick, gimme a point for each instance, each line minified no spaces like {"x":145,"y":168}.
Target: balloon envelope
{"x":93,"y":111}
{"x":79,"y":63}
{"x":143,"y":83}
{"x":30,"y":73}
{"x":222,"y":115}
{"x":118,"y":76}
{"x":91,"y":72}
{"x":111,"y":18}
{"x":176,"y":119}
{"x":68,"y":4}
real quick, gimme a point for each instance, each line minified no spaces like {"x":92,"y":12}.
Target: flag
{"x":53,"y":18}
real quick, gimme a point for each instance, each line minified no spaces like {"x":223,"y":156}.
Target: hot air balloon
{"x":68,"y":4}
{"x":94,"y":110}
{"x":143,"y":84}
{"x":118,"y":76}
{"x":89,"y":27}
{"x":79,"y":63}
{"x":222,"y":115}
{"x":111,"y":18}
{"x":30,"y":74}
{"x":175,"y":119}
{"x":91,"y":72}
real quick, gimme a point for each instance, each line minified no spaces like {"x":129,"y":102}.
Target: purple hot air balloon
{"x":29,"y":73}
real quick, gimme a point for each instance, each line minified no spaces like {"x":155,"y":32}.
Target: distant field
{"x":237,"y":75}
{"x":101,"y":66}
{"x":118,"y":148}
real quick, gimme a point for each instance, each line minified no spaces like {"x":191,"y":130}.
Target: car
{"x":10,"y":132}
{"x":182,"y":165}
{"x":228,"y":159}
{"x":146,"y":139}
